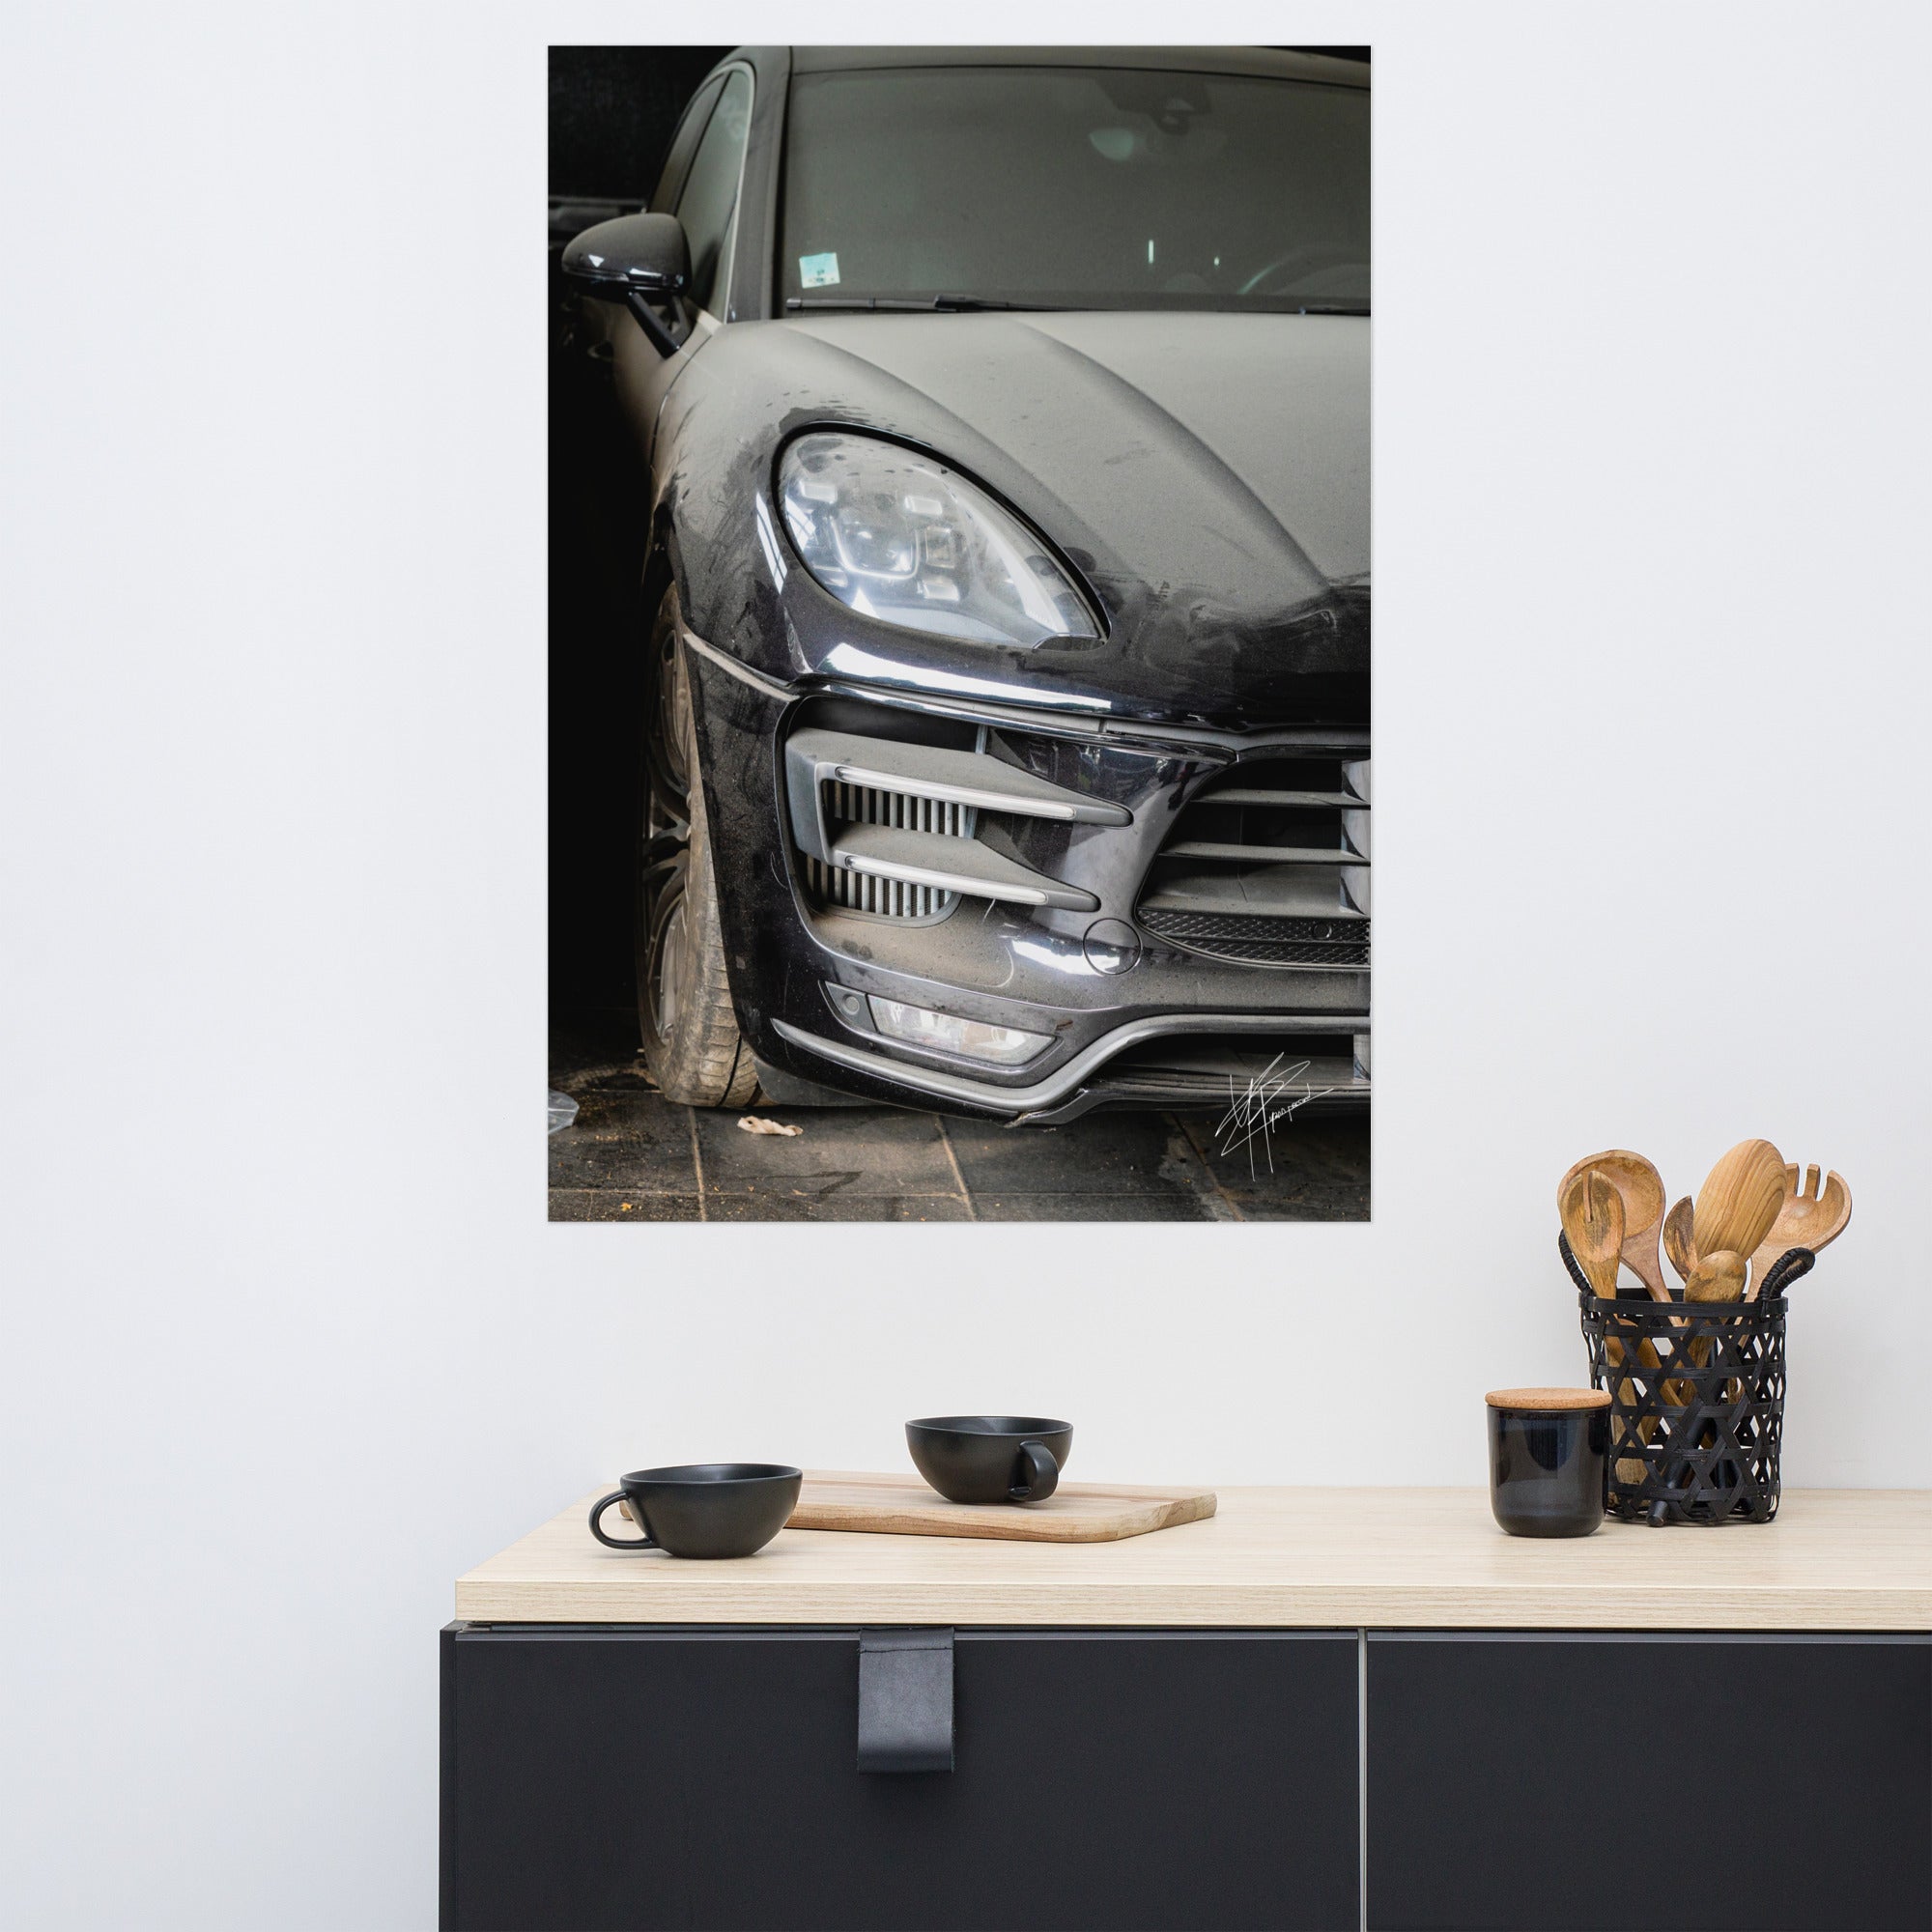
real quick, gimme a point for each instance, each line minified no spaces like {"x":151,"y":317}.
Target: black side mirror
{"x":632,"y":260}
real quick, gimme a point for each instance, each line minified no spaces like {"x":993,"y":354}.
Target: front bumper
{"x":1132,"y":1014}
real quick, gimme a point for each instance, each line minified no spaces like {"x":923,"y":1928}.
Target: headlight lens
{"x":897,"y":536}
{"x":979,"y":1039}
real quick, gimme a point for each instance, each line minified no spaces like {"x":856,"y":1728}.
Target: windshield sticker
{"x":817,"y":272}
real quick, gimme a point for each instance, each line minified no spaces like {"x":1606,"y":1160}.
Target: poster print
{"x":960,"y":635}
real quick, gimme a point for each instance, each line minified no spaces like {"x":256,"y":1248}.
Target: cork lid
{"x":1549,"y":1400}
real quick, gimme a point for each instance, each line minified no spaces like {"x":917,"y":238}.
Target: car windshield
{"x":1075,"y":187}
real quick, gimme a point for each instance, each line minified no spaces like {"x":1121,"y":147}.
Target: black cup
{"x":1549,"y":1460}
{"x":703,"y":1509}
{"x":991,"y":1458}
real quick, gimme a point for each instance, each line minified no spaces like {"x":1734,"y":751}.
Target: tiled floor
{"x":632,"y":1157}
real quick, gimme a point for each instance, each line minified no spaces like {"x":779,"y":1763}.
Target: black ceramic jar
{"x":1548,"y":1457}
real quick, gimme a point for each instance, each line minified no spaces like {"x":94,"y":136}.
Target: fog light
{"x":919,"y":1026}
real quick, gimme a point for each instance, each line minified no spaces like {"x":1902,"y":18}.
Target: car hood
{"x":1208,"y":474}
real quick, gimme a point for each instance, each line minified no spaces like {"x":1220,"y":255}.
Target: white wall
{"x":289,"y":1343}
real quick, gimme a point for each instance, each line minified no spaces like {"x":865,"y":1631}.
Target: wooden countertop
{"x":1835,"y":1559}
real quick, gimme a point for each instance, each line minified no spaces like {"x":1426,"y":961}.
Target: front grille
{"x":886,"y":899}
{"x":897,"y":816}
{"x":1261,"y":941}
{"x":1268,"y":864}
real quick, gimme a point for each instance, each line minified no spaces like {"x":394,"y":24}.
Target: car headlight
{"x":898,"y":536}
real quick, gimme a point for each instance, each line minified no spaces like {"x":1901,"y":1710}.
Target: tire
{"x":685,"y":1014}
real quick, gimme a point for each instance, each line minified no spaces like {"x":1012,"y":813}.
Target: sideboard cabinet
{"x":847,"y":1732}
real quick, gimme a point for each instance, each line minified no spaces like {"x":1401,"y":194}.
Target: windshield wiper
{"x":993,"y":301}
{"x":971,"y":304}
{"x":924,"y":305}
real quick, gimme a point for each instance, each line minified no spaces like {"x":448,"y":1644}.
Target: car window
{"x":1077,"y":187}
{"x":709,"y":202}
{"x":677,"y":157}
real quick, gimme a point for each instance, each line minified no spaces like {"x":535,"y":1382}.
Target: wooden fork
{"x":1810,"y":1216}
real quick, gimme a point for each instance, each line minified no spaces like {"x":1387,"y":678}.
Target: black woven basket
{"x":1696,"y":1399}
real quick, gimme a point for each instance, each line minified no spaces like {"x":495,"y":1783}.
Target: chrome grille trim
{"x":939,"y":772}
{"x":1055,"y":1087}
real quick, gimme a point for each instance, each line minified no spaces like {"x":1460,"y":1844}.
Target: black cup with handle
{"x":702,"y":1509}
{"x":991,"y":1458}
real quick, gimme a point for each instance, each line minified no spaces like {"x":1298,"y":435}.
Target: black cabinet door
{"x":605,"y":1779}
{"x":1568,"y":1783}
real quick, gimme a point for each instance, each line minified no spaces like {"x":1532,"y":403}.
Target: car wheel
{"x":665,"y":774}
{"x":690,"y":1030}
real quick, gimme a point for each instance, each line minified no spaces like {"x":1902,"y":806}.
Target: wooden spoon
{"x":1679,"y":1242}
{"x":1592,"y":1218}
{"x":1738,"y":1201}
{"x":1637,"y":1181}
{"x":1808,"y":1217}
{"x":1717,"y":1277}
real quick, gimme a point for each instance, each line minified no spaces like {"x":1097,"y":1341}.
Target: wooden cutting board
{"x":1075,"y":1512}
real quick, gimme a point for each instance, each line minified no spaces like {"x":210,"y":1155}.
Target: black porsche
{"x":1006,"y":416}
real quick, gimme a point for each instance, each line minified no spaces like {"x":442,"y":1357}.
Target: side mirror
{"x":632,"y":260}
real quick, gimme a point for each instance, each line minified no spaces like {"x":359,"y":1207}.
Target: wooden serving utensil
{"x":1717,"y":1277}
{"x":1738,"y":1201}
{"x":1808,"y":1217}
{"x":1641,"y":1190}
{"x":1592,"y":1211}
{"x":1680,"y":1240}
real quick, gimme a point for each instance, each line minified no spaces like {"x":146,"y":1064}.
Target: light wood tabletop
{"x":1835,"y":1559}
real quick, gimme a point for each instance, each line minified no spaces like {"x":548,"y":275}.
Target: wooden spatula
{"x":1739,"y":1200}
{"x":1641,"y":1190}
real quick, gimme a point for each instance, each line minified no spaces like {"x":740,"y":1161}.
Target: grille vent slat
{"x":1260,"y":941}
{"x":886,"y":899}
{"x":1268,"y":866}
